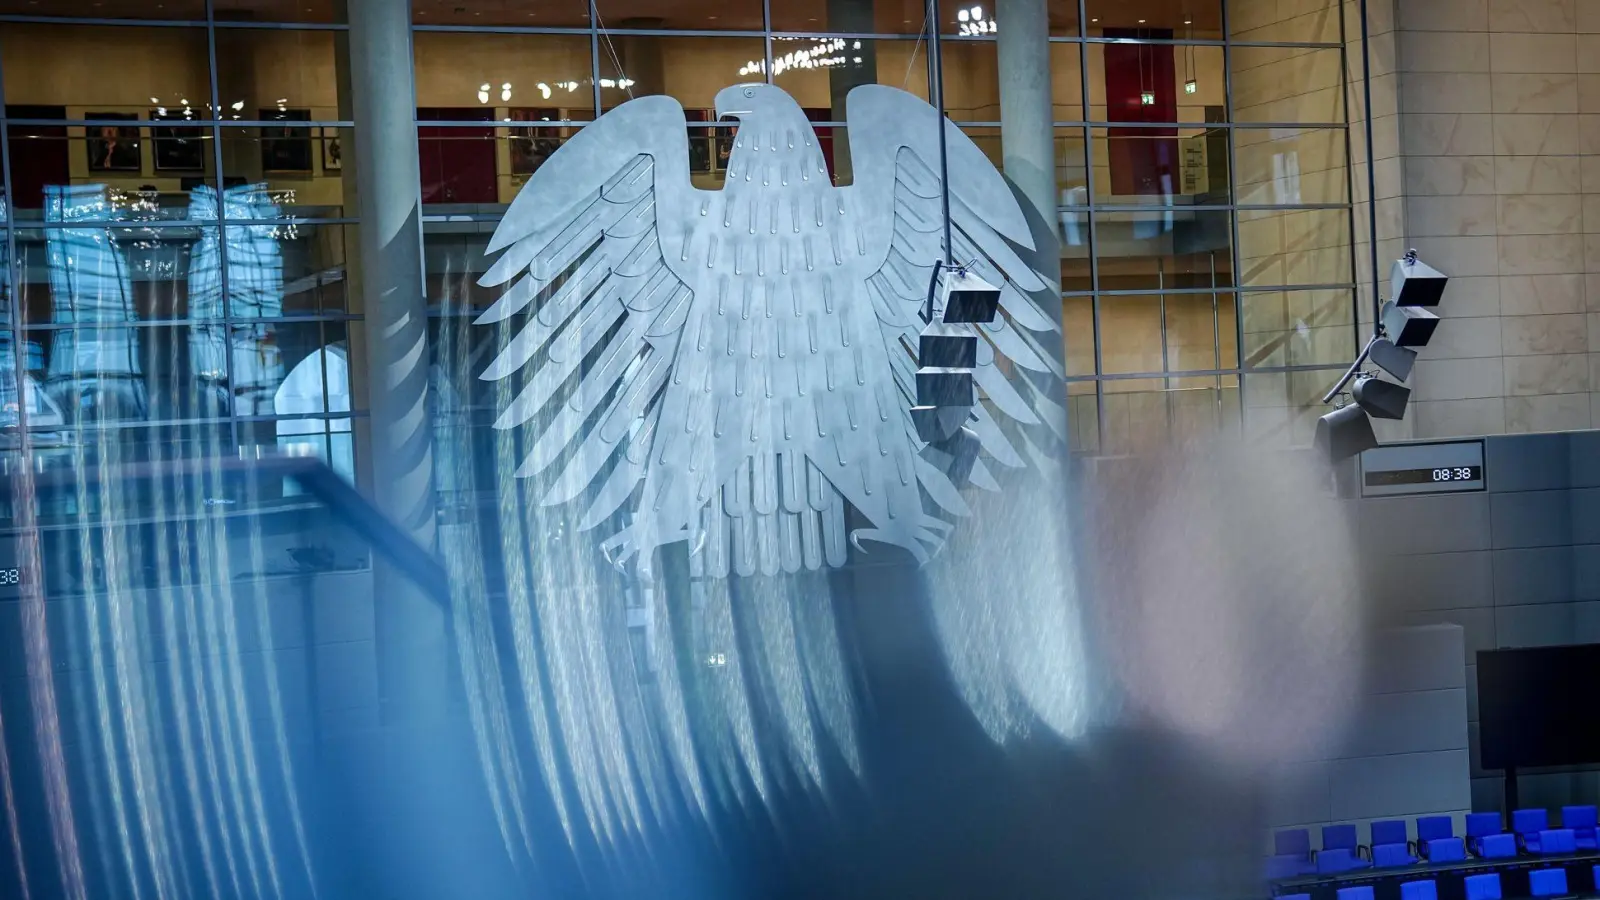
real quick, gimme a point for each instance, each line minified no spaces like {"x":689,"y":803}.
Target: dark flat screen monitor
{"x":1536,"y":706}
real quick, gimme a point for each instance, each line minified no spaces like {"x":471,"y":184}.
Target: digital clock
{"x":1422,"y":469}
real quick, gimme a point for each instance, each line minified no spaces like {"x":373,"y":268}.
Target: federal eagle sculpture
{"x":735,"y":368}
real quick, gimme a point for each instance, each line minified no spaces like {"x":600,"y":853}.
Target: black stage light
{"x":1408,"y":326}
{"x":1413,"y":282}
{"x":969,"y":299}
{"x":1344,"y":433}
{"x":1397,"y":361}
{"x":1380,"y":399}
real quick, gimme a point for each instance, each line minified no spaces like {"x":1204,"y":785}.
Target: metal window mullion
{"x":1094,"y":237}
{"x":1350,"y":191}
{"x":766,"y":41}
{"x":221,"y":226}
{"x":594,"y":55}
{"x":1233,"y":217}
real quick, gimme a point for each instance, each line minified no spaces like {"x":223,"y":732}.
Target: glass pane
{"x":1066,"y":82}
{"x":1298,"y":328}
{"x":262,"y":72}
{"x":1146,"y":165}
{"x":1200,"y":332}
{"x":1130,"y":334}
{"x":103,"y":373}
{"x":1305,"y":22}
{"x":124,"y":168}
{"x":281,"y":368}
{"x":1077,"y":329}
{"x":690,"y":69}
{"x":1072,"y":167}
{"x":737,"y":15}
{"x":193,"y":10}
{"x":1163,"y":250}
{"x":532,"y":13}
{"x":1083,"y":418}
{"x":494,"y":72}
{"x":1290,"y":166}
{"x":971,"y":81}
{"x":1288,"y":84}
{"x":1076,"y":272}
{"x":319,"y":11}
{"x":106,"y":67}
{"x":114,"y":274}
{"x":1180,"y":19}
{"x":1181,"y":411}
{"x":853,"y":16}
{"x":273,"y":270}
{"x":283,"y":171}
{"x":1282,"y":408}
{"x":467,"y":170}
{"x":1294,"y":246}
{"x":822,"y":88}
{"x":453,"y":259}
{"x":1156,"y":83}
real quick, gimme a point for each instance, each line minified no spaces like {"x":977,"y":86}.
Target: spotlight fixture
{"x":1405,"y":323}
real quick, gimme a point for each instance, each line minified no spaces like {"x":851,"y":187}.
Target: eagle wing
{"x":596,"y":312}
{"x":896,"y":163}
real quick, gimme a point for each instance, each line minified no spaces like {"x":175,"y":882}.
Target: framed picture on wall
{"x":177,"y":148}
{"x":724,"y":141}
{"x":114,"y":148}
{"x":285,"y":148}
{"x":332,"y":150}
{"x":531,"y":145}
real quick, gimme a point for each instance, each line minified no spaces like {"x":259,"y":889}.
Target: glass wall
{"x":175,"y":232}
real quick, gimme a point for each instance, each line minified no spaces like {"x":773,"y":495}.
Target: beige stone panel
{"x":1566,"y":373}
{"x":1534,"y":93}
{"x":1589,"y":16}
{"x":1591,"y":252}
{"x":1462,"y":338}
{"x":1450,"y":216}
{"x":1427,"y":92}
{"x":1474,"y":295}
{"x":1590,"y":168}
{"x":1534,"y":135}
{"x":1591,"y":292}
{"x":1444,"y":51}
{"x":1589,"y":134}
{"x":1538,"y":175}
{"x":1532,"y":53}
{"x":1541,"y":214}
{"x":1589,"y":94}
{"x":1550,"y":16}
{"x":1458,"y":379}
{"x":1448,"y":134}
{"x":1591,"y":213}
{"x":1547,"y":412}
{"x":1443,"y":15}
{"x":1545,"y":254}
{"x":1433,"y":176}
{"x":1527,"y":295}
{"x":1460,"y":256}
{"x":1588,"y":52}
{"x":1456,"y":418}
{"x":1594,"y":332}
{"x":1544,"y":335}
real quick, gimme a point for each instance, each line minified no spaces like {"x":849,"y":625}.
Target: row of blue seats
{"x":1541,"y":883}
{"x":1436,"y":842}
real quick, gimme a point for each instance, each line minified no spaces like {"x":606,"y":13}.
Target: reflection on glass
{"x":1288,"y":84}
{"x":640,"y":65}
{"x":1155,"y":165}
{"x":1142,"y":82}
{"x":254,"y":289}
{"x":1171,"y":249}
{"x":1283,"y":166}
{"x":1294,"y":247}
{"x":1305,"y":22}
{"x":111,"y":68}
{"x":302,"y":394}
{"x":94,"y":366}
{"x":1169,"y":20}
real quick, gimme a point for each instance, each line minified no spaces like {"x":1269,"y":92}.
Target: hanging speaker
{"x":1381,"y":399}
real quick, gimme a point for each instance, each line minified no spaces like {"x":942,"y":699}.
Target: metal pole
{"x":936,"y":93}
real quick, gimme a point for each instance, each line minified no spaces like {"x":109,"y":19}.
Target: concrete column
{"x":1027,"y":140}
{"x":410,"y":627}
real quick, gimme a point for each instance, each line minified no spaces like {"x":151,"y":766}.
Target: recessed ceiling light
{"x":1141,"y":21}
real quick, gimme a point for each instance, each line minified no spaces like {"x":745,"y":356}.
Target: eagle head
{"x":752,"y":103}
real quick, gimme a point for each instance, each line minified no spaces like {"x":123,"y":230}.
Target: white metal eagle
{"x":734,"y":368}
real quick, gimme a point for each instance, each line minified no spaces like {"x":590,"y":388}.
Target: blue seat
{"x":1339,"y":859}
{"x":1419,"y":890}
{"x":1498,"y":846}
{"x":1482,"y":887}
{"x":1432,"y":828}
{"x":1389,"y":856}
{"x":1547,"y":882}
{"x":1447,"y":850}
{"x":1529,"y":821}
{"x":1356,"y":893}
{"x":1389,"y":831}
{"x":1282,"y":866}
{"x":1292,"y":842}
{"x":1479,"y":826}
{"x":1552,"y":841}
{"x":1581,"y":819}
{"x":1340,"y":837}
{"x":1295,"y":897}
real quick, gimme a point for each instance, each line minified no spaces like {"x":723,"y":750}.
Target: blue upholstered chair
{"x":1363,"y":892}
{"x":1552,"y":842}
{"x":1340,"y":837}
{"x":1581,"y":819}
{"x":1292,"y":842}
{"x":1479,"y":826}
{"x":1482,"y":887}
{"x":1529,"y":821}
{"x":1447,"y":850}
{"x":1338,"y":860}
{"x":1419,"y":890}
{"x":1498,"y":846}
{"x":1547,"y":882}
{"x":1390,"y":856}
{"x":1432,"y":828}
{"x":1389,"y":831}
